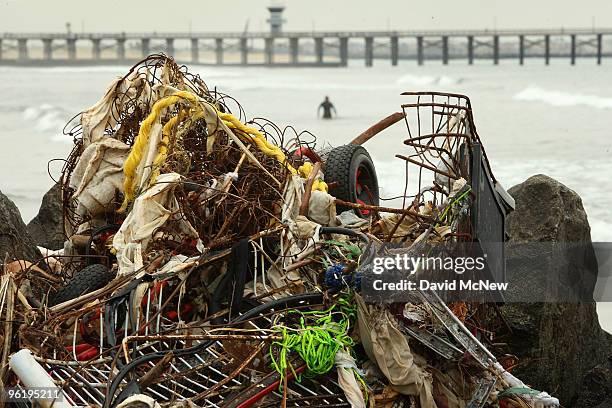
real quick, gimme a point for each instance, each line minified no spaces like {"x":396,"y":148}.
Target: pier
{"x":308,"y":48}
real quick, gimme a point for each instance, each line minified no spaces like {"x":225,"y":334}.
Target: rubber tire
{"x":341,"y":167}
{"x":87,"y":280}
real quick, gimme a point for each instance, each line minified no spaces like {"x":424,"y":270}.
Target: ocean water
{"x":555,"y":120}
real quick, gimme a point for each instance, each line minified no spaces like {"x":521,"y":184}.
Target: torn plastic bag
{"x":347,"y":381}
{"x":151,"y":210}
{"x":349,"y":219}
{"x":322,"y":208}
{"x":98,"y":175}
{"x":305,"y":229}
{"x":292,"y":198}
{"x":390,"y":220}
{"x":103,"y":115}
{"x":388,"y":347}
{"x":139,"y":401}
{"x":175,"y":265}
{"x":539,"y":399}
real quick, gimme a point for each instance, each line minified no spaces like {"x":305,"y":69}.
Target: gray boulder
{"x":47,"y":227}
{"x":15,"y":242}
{"x":597,"y":387}
{"x":558,"y":343}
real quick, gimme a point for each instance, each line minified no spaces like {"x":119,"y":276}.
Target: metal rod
{"x":378,"y":127}
{"x":308,"y":188}
{"x":411,"y":213}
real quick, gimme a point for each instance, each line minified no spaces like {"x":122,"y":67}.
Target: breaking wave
{"x":47,"y":118}
{"x":426,"y":80}
{"x":559,"y":98}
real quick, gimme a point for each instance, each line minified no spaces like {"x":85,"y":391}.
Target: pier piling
{"x":22,"y":46}
{"x":244,"y":51}
{"x":145,"y":47}
{"x":343,"y":51}
{"x":195,"y":50}
{"x":170,"y":46}
{"x":269,"y":50}
{"x":369,"y":51}
{"x":496,"y":49}
{"x":96,"y":49}
{"x":445,"y":50}
{"x":599,"y":48}
{"x":294,"y":49}
{"x":319,"y":49}
{"x":121,"y":49}
{"x":470,"y":49}
{"x":394,"y":49}
{"x":47,"y":48}
{"x":419,"y":50}
{"x":219,"y":51}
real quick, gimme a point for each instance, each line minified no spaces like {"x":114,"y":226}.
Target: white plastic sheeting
{"x":387,"y":346}
{"x":98,"y":175}
{"x":151,"y":210}
{"x":347,"y":366}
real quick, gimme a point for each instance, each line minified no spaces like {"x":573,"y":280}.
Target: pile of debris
{"x":215,"y":262}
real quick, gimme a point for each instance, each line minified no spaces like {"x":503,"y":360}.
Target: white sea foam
{"x":560,"y":98}
{"x":46,"y":118}
{"x":427,"y":80}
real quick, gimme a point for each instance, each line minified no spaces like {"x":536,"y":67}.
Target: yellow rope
{"x":163,"y":146}
{"x":304,"y":170}
{"x":142,"y":140}
{"x":253,"y":135}
{"x":244,"y":132}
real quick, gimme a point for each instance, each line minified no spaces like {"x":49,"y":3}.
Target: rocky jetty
{"x":558,"y":344}
{"x":15,"y":242}
{"x":46,"y":228}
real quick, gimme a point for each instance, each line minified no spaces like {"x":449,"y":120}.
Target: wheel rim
{"x":363,"y":187}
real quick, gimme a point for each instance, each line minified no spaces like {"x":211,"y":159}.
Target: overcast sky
{"x":234,"y":15}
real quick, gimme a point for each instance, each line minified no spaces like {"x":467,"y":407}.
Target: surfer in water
{"x":327,"y":107}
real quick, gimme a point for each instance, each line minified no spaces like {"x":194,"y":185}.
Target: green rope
{"x":363,"y":385}
{"x":452,"y":204}
{"x":353,"y":250}
{"x":508,"y":392}
{"x":317,"y":339}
